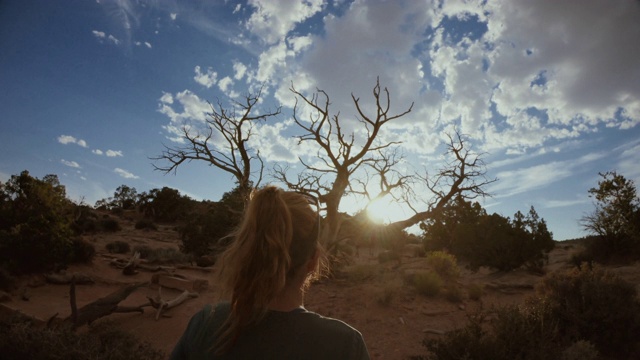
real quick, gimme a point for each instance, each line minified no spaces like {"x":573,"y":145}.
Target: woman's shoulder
{"x":327,"y":323}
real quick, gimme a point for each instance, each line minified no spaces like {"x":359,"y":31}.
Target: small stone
{"x":461,"y":307}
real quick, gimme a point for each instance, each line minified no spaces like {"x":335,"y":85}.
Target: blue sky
{"x":548,"y":91}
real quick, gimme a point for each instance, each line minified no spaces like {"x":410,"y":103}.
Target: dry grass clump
{"x":21,"y":340}
{"x":444,"y":264}
{"x":582,"y":314}
{"x":428,"y":283}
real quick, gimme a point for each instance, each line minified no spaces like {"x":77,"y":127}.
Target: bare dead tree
{"x":338,"y":152}
{"x":224,"y":142}
{"x":389,"y":181}
{"x":464,"y":175}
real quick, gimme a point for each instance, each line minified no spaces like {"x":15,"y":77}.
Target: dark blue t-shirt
{"x":298,"y":334}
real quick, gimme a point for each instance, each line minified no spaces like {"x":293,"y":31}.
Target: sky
{"x":548,"y":92}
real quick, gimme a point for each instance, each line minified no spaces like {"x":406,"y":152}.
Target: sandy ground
{"x":392,"y":330}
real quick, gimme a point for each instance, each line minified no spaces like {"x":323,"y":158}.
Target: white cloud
{"x":554,"y":81}
{"x":564,"y":203}
{"x":166,"y":98}
{"x":239,"y":70}
{"x":113,"y":153}
{"x":102,"y":36}
{"x":207,"y":79}
{"x":173,"y":16}
{"x":99,"y":34}
{"x":225,"y":84}
{"x":237,"y":8}
{"x":189,"y":108}
{"x":512,"y":182}
{"x":125,"y":174}
{"x":68,"y":139}
{"x":147,"y":44}
{"x":113,"y":39}
{"x":272,"y":20}
{"x":628,"y":164}
{"x":97,"y":151}
{"x":72,"y":164}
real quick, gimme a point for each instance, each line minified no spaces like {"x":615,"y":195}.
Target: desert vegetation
{"x":573,"y":314}
{"x":583,"y":313}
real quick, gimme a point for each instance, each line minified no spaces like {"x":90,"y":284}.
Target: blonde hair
{"x":276,"y":237}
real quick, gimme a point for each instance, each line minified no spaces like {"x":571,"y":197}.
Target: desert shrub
{"x":34,"y":224}
{"x":444,"y":264}
{"x":205,"y":233}
{"x":595,"y":305}
{"x":512,"y":334}
{"x":167,"y":256}
{"x":164,"y":205}
{"x":118,"y":247}
{"x":475,"y":292}
{"x":21,"y":340}
{"x":85,"y":220}
{"x":468,"y":232}
{"x":428,"y":283}
{"x":82,"y":251}
{"x":110,"y":225}
{"x":575,"y":315}
{"x":143,"y":250}
{"x":615,"y":222}
{"x":145,"y":224}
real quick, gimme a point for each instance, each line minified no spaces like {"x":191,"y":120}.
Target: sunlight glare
{"x":379,"y":210}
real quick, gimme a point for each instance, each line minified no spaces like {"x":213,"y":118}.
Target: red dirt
{"x":391,"y":331}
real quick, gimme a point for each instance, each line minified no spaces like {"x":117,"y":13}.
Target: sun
{"x":378,"y":210}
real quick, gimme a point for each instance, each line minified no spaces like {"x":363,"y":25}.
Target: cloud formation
{"x":68,"y":139}
{"x":108,"y":153}
{"x":72,"y":164}
{"x":102,"y":36}
{"x":206,"y":79}
{"x":125,"y":174}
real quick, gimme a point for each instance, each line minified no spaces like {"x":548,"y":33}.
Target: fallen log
{"x":101,"y":307}
{"x":122,"y":264}
{"x":130,"y":268}
{"x":179,"y":282}
{"x":161,"y":305}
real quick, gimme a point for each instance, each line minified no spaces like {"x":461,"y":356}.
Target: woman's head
{"x":275,"y":242}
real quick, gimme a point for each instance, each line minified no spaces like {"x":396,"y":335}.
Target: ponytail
{"x":257,"y":264}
